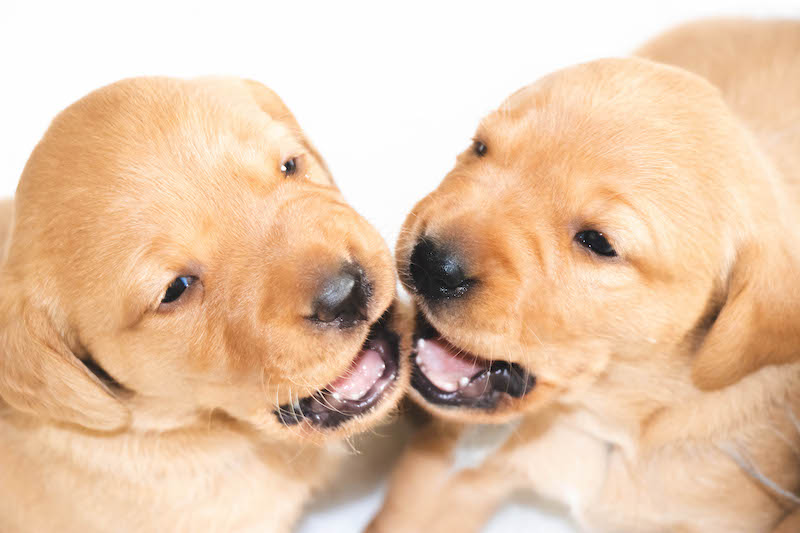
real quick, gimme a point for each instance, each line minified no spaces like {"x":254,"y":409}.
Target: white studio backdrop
{"x":388,"y":93}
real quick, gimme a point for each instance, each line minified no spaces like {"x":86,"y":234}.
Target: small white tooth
{"x":423,"y":367}
{"x":464,"y":381}
{"x":336,"y":396}
{"x":449,"y":387}
{"x":420,"y":344}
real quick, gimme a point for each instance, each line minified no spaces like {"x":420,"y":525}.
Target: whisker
{"x":755,"y":473}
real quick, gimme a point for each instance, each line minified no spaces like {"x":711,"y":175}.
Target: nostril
{"x":342,"y":299}
{"x":437,"y":272}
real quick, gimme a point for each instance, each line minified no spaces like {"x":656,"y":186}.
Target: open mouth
{"x":446,"y":375}
{"x":370,"y":376}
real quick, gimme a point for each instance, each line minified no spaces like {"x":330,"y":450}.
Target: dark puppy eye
{"x":479,"y":148}
{"x":289,"y":167}
{"x":596,"y":242}
{"x":177,"y":288}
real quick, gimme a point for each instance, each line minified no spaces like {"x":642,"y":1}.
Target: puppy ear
{"x":759,"y":323}
{"x":271,"y":104}
{"x":40,"y":375}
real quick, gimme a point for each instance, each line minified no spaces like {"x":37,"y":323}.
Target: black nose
{"x":437,"y":272}
{"x":342,"y":299}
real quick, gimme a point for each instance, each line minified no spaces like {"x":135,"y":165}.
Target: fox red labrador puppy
{"x":614,"y":265}
{"x":190,"y":316}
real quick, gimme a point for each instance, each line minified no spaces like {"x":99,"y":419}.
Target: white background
{"x":388,"y":94}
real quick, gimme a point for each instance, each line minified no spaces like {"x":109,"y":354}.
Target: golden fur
{"x":666,"y":395}
{"x":131,"y":186}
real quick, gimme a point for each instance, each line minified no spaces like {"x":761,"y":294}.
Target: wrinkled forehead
{"x":633,"y":142}
{"x":218,"y":136}
{"x":146,"y":138}
{"x":565,"y":151}
{"x":156,"y":157}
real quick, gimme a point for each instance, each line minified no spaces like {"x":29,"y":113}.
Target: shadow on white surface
{"x":349,"y":503}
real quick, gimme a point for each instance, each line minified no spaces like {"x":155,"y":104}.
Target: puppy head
{"x":179,"y":248}
{"x":614,"y":214}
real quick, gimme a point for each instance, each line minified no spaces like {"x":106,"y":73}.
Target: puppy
{"x":190,"y":316}
{"x":613,"y":264}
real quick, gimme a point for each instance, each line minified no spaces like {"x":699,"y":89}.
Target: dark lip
{"x":500,"y":380}
{"x":322,"y":411}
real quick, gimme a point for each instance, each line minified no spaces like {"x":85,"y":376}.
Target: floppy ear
{"x":759,"y":323}
{"x":40,"y":375}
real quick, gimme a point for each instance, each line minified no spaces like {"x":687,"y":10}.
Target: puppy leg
{"x":470,"y":499}
{"x":545,"y":455}
{"x":555,"y":461}
{"x":417,"y":480}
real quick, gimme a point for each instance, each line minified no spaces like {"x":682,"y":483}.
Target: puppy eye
{"x":177,"y":288}
{"x":289,"y":167}
{"x":596,"y":242}
{"x":479,"y":148}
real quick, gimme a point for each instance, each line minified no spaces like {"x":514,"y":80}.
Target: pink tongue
{"x":445,"y":370}
{"x":365,"y":372}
